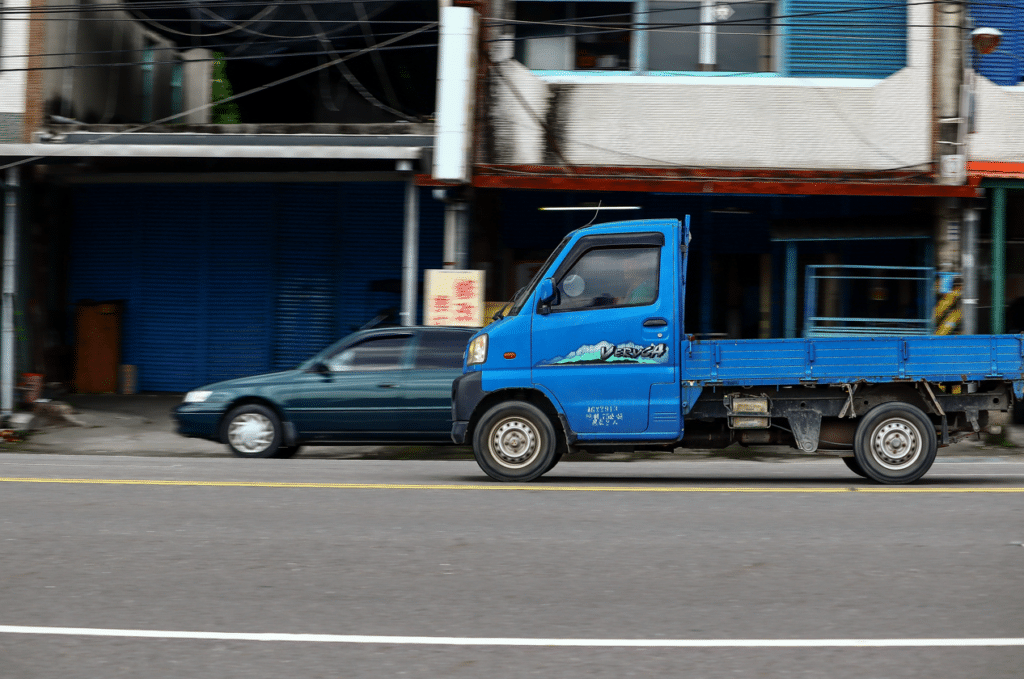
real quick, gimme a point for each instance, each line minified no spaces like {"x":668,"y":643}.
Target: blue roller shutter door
{"x":843,"y":38}
{"x":306,"y":246}
{"x":169,"y":326}
{"x":223,"y":281}
{"x":239,"y":280}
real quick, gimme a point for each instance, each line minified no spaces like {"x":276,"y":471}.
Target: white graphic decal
{"x":604,"y":416}
{"x":606,"y":352}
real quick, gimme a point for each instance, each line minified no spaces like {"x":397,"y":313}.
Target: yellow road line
{"x":503,"y":486}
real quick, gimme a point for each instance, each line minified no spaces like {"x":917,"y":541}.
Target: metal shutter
{"x":240,"y":280}
{"x":306,"y":256}
{"x":843,"y":38}
{"x":226,"y":280}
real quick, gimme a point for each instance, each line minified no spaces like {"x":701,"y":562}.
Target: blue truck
{"x":592,"y":355}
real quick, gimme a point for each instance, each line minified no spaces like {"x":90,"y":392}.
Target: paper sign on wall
{"x":453,"y":297}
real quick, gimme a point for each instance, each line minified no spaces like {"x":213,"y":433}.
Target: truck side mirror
{"x":546,"y":291}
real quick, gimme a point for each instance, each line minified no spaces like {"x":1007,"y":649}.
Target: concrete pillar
{"x":410,"y":253}
{"x":969,"y":268}
{"x":456,"y":235}
{"x":197,"y":85}
{"x":7,"y":312}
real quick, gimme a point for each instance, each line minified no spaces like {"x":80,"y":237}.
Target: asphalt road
{"x":427,"y":569}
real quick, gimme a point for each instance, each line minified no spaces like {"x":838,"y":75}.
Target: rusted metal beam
{"x":725,"y":181}
{"x":582,"y":182}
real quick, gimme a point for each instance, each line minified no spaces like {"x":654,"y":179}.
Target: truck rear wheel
{"x":854,"y":466}
{"x":514,"y":441}
{"x":895,"y":443}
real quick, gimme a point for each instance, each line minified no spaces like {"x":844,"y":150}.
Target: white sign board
{"x":453,"y":297}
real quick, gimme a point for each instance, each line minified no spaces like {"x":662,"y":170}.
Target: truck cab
{"x":592,"y":343}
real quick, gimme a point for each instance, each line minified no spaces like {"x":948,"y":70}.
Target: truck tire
{"x":252,"y":430}
{"x":854,"y":466}
{"x":895,"y":443}
{"x":514,"y":441}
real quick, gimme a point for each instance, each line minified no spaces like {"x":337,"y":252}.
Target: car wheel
{"x":285,"y":452}
{"x":854,"y":466}
{"x":252,"y":430}
{"x":514,"y":441}
{"x":895,"y":443}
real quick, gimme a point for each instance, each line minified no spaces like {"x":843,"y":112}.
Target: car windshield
{"x":524,"y":293}
{"x":321,"y":355}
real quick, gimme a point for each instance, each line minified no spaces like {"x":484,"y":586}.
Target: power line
{"x":249,"y":57}
{"x":234,"y":97}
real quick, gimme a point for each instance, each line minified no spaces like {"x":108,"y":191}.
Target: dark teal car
{"x":380,"y":386}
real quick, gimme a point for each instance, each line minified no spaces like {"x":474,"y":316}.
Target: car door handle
{"x":388,"y":385}
{"x":655,"y":322}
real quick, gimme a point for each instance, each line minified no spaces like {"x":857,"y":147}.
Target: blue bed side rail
{"x":837,"y":360}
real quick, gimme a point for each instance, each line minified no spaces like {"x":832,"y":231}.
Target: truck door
{"x":607,"y":336}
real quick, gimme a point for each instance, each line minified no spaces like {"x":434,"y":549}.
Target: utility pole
{"x":948,"y":151}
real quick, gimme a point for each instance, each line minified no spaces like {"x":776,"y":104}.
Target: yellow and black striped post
{"x":947,"y":311}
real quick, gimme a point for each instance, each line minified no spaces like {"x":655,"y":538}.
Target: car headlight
{"x":477,"y":350}
{"x":197,"y":396}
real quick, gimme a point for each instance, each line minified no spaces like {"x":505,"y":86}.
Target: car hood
{"x":264,"y":380}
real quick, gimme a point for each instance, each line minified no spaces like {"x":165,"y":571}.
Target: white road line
{"x":506,"y":641}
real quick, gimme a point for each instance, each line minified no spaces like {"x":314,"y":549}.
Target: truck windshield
{"x":524,"y":293}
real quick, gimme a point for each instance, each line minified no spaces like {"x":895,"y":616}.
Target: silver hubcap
{"x":251,"y":433}
{"x":896,"y":444}
{"x":515,"y":443}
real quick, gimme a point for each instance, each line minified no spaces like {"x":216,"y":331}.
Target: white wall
{"x":12,"y":56}
{"x":999,"y":123}
{"x":727,"y":122}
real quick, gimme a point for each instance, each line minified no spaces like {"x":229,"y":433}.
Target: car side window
{"x":610,"y":278}
{"x":377,"y":353}
{"x":441,"y":349}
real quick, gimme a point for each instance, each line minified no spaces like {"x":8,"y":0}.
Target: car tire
{"x":286,"y":452}
{"x":895,"y":443}
{"x":854,"y":466}
{"x":252,"y":430}
{"x":515,"y":441}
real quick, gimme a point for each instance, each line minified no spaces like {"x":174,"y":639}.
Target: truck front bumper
{"x":466,"y":394}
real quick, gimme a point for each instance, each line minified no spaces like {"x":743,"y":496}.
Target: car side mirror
{"x":546,"y":291}
{"x":320,"y":368}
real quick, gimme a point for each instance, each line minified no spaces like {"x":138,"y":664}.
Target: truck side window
{"x":612,"y":278}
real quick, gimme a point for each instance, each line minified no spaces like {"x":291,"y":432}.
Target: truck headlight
{"x":477,"y":350}
{"x":197,"y":396}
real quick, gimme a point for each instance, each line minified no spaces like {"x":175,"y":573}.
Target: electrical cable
{"x":353,"y":82}
{"x":234,"y":97}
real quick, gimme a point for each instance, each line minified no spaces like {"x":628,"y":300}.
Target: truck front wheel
{"x":514,"y":441}
{"x":895,"y":443}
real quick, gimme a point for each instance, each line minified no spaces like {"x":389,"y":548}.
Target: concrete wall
{"x":727,"y":122}
{"x":999,"y":123}
{"x":96,"y":73}
{"x":13,"y":50}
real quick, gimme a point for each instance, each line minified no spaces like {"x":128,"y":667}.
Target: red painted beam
{"x":718,"y":186}
{"x":715,"y":181}
{"x":995,"y":170}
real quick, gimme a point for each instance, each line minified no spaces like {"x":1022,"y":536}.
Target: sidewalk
{"x":142,"y":425}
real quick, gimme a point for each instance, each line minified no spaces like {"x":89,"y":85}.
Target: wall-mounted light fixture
{"x":985,"y":40}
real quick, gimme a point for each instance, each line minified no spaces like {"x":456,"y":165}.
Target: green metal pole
{"x":791,"y":283}
{"x":998,"y":259}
